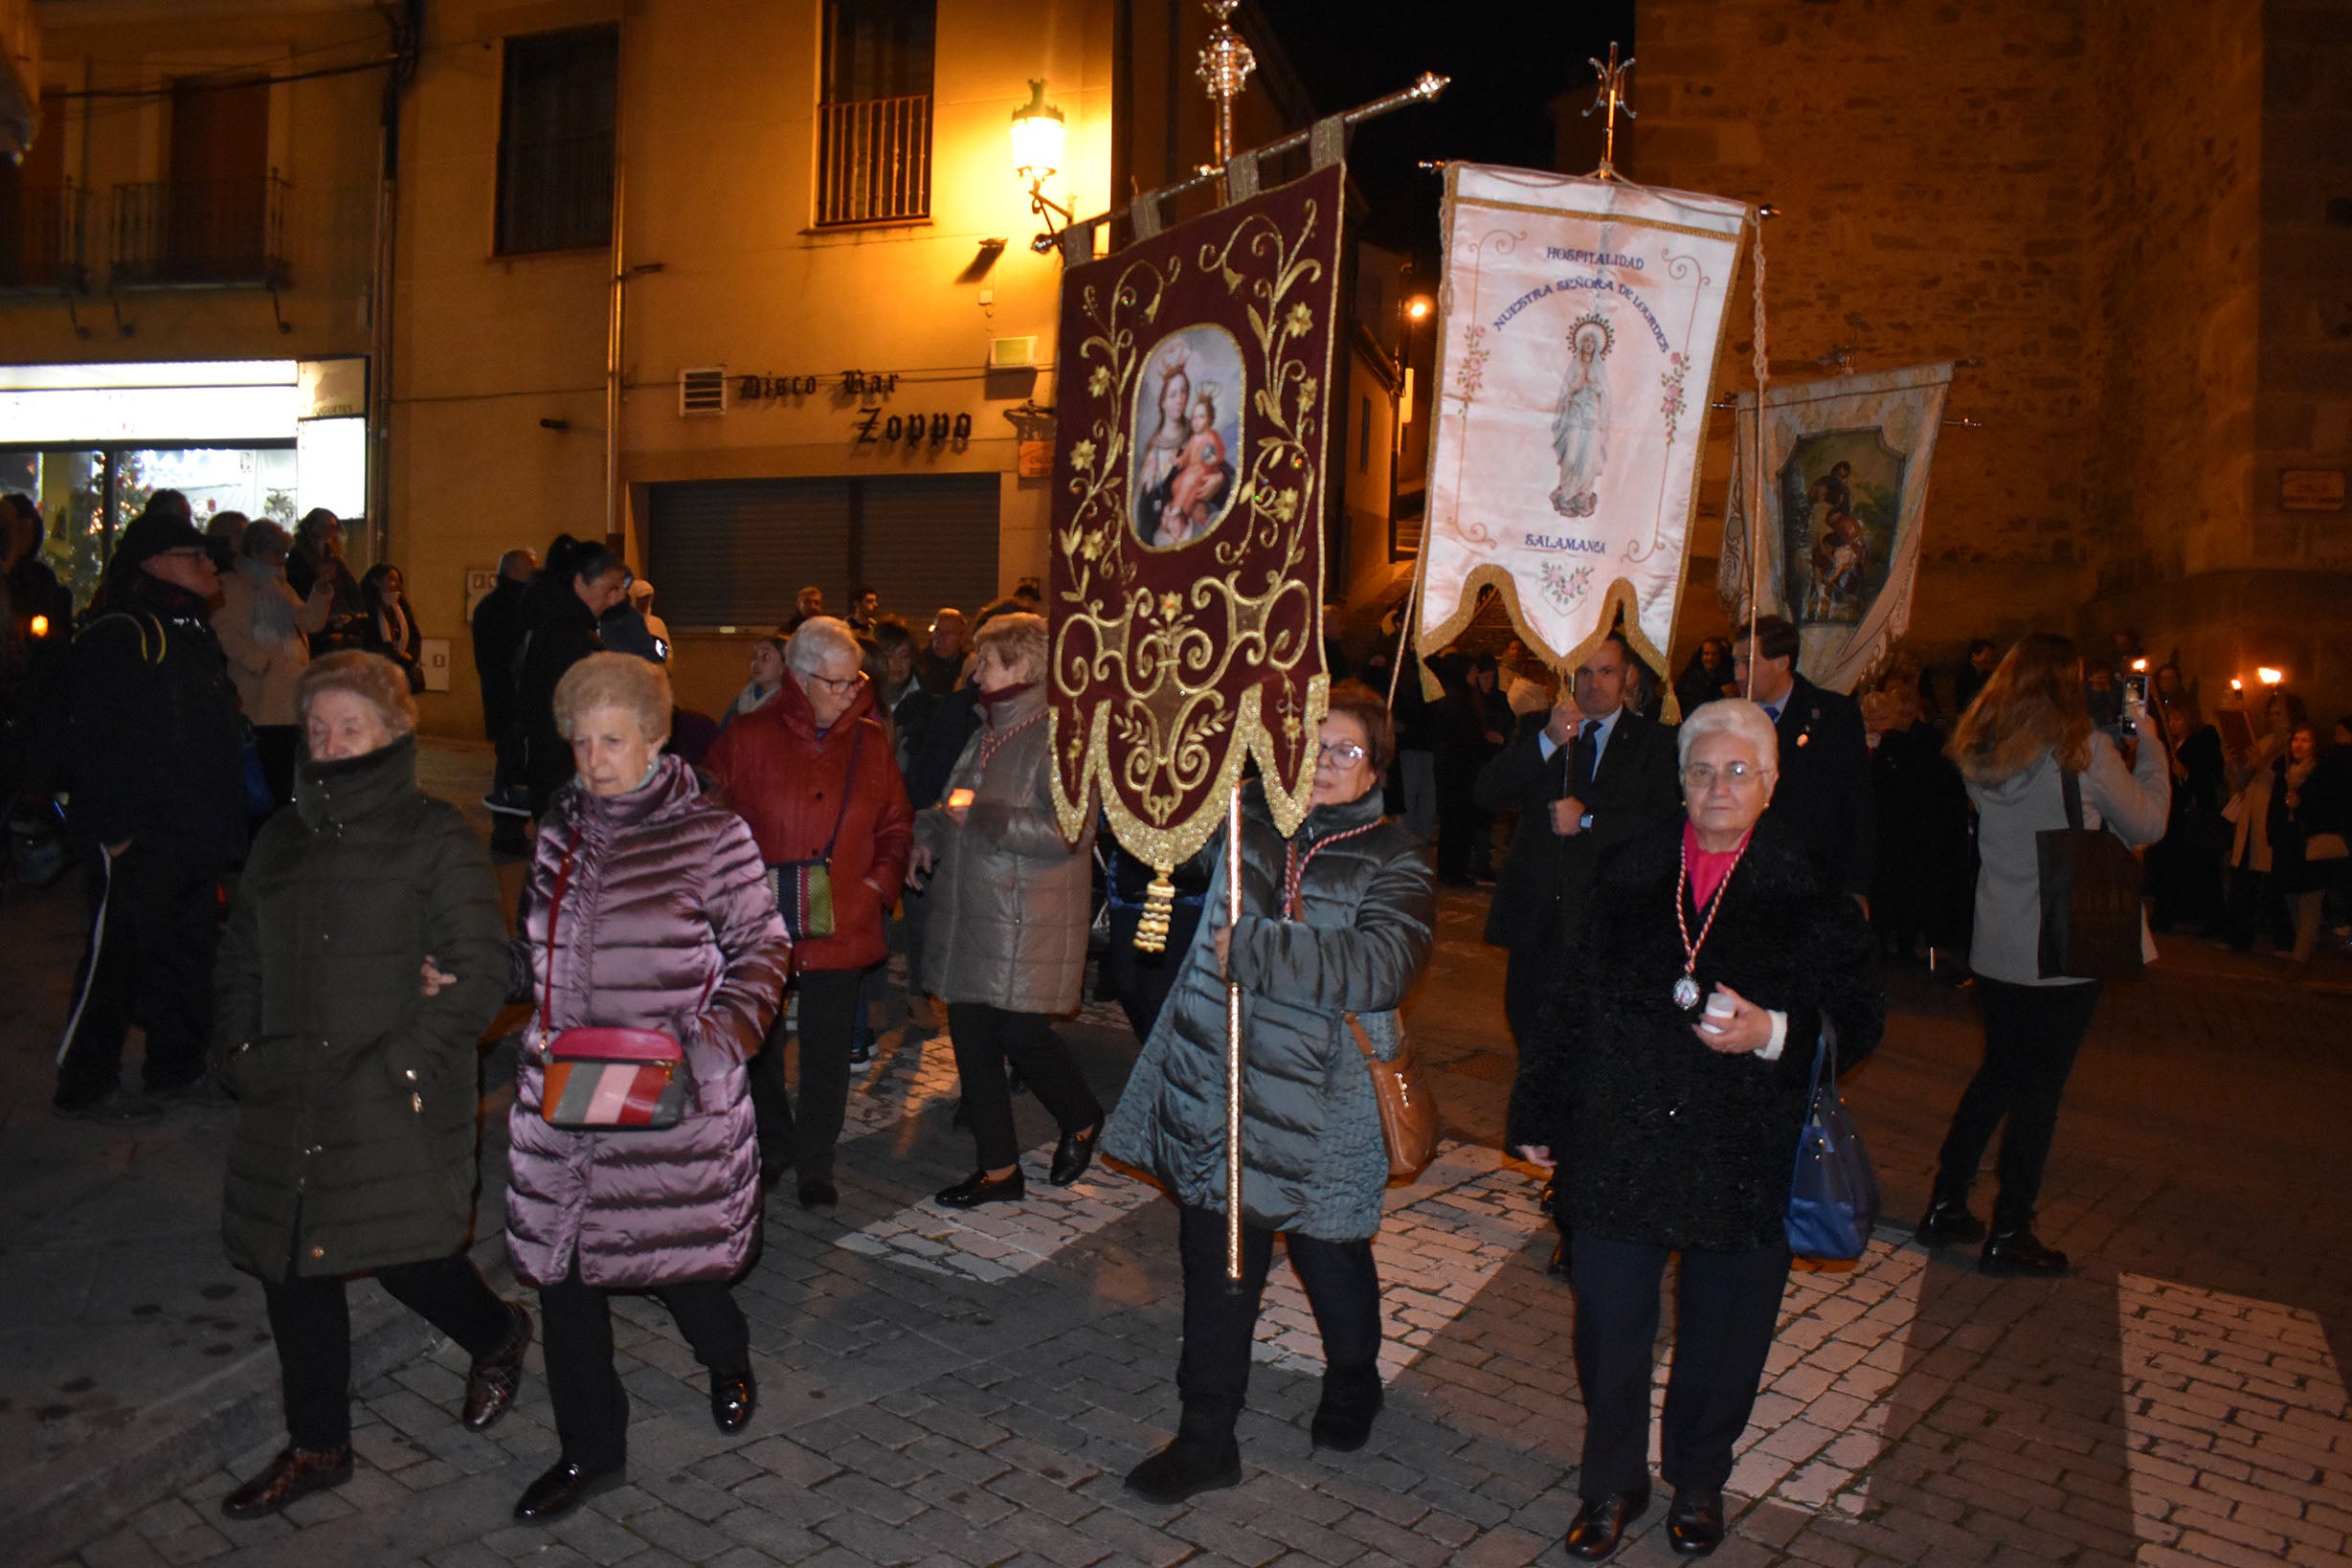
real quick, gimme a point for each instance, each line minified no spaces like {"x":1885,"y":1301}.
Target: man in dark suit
{"x":1825,"y":787}
{"x":1584,"y":777}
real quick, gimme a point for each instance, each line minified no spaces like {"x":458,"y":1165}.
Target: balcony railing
{"x":556,"y":194}
{"x":874,"y":161}
{"x":45,"y":254}
{"x":200,"y":234}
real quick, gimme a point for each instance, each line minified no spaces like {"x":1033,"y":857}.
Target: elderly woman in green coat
{"x":364,"y":957}
{"x":1338,"y":919}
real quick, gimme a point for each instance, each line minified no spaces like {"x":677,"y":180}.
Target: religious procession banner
{"x":1579,"y":320}
{"x":1186,"y":573}
{"x":1847,"y":459}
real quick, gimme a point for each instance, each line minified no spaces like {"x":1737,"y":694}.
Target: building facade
{"x":746,"y":286}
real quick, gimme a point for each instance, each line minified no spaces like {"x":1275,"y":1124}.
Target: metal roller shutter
{"x":733,"y":553}
{"x":928,"y":540}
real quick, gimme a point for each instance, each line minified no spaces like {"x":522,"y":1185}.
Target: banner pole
{"x":1233,"y":1044}
{"x":1755,"y":481}
{"x":1412,"y":609}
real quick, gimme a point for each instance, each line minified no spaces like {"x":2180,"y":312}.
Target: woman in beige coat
{"x":1005,"y":947}
{"x":265,"y":629}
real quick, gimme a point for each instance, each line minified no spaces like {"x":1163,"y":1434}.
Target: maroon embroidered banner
{"x":1186,"y":588}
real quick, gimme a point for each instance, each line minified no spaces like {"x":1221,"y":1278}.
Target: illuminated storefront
{"x":270,"y":438}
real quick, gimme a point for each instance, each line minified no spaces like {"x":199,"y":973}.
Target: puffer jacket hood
{"x":1312,"y":1153}
{"x":355,"y":1095}
{"x":665,"y":923}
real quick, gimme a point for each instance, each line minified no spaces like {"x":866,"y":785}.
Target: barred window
{"x":556,"y":141}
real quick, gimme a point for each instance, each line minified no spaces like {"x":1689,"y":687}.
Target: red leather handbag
{"x":601,"y":1080}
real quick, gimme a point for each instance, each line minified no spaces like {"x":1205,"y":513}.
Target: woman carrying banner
{"x":1337,"y":920}
{"x":1668,"y":1084}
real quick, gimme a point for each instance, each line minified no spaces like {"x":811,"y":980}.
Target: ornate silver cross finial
{"x":1225,"y":65}
{"x":1610,"y":94}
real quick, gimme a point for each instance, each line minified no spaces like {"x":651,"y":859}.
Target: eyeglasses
{"x":1701,"y":777}
{"x":839,"y":688}
{"x":1345,"y":754}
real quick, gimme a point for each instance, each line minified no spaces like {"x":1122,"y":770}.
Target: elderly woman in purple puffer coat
{"x":646,"y":906}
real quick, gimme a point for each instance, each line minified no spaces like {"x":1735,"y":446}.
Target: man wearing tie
{"x":1584,"y":777}
{"x":1825,"y":789}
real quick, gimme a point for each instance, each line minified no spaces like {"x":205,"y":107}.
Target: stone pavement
{"x":968,"y":1389}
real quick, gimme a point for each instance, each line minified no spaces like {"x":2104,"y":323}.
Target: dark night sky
{"x":1507,"y":61}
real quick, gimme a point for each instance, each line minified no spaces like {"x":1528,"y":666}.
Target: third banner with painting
{"x":1846,"y":460}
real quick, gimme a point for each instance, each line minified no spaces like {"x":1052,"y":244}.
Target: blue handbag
{"x":1833,"y":1196}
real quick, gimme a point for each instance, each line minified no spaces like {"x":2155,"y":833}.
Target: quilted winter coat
{"x":665,"y":923}
{"x":355,"y":1095}
{"x":1010,"y":899}
{"x":787,"y":782}
{"x":1312,"y":1156}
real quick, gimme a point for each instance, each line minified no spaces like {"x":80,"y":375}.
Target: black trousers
{"x":2252,"y":903}
{"x":2031,"y":1034}
{"x":312,"y":1321}
{"x":1342,"y":1286}
{"x":591,"y":1407}
{"x":985,"y":1038}
{"x":1142,"y":980}
{"x":828,"y":1011}
{"x":1527,"y":976}
{"x":1725,"y":1307}
{"x":154,"y":929}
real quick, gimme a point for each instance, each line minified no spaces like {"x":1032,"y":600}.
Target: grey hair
{"x":260,"y":535}
{"x":1730,"y":715}
{"x":816,"y":637}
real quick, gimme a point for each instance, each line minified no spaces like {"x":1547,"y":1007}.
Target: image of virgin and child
{"x":1182,"y":482}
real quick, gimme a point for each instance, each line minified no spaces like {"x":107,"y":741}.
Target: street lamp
{"x":1417,"y":308}
{"x":1039,"y":135}
{"x":2268,"y":676}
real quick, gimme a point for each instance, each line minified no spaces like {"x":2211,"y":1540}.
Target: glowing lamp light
{"x":2139,"y":666}
{"x":1417,"y":307}
{"x":2268,"y":676}
{"x":38,"y":626}
{"x":1037,"y":136}
{"x":2236,"y":685}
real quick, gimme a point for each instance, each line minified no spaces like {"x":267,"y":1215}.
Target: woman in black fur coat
{"x":1670,"y":1085}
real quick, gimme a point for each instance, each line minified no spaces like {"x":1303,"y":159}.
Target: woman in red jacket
{"x":812,"y":771}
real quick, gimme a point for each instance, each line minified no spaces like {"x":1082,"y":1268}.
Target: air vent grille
{"x":701,"y":394}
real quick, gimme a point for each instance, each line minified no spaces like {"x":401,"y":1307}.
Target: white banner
{"x":1841,"y":521}
{"x":1576,"y":341}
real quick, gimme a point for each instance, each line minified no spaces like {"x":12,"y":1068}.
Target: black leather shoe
{"x":818,"y":1193}
{"x":1074,"y":1153}
{"x":490,"y":1383}
{"x":1694,"y":1524}
{"x":1945,"y":1222}
{"x":2018,"y":1252}
{"x":563,"y":1488}
{"x":977,"y":1189}
{"x":771,"y":1168}
{"x":295,"y":1473}
{"x":1598,"y":1527}
{"x":732,"y":1400}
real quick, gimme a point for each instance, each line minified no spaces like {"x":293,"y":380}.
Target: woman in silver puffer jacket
{"x":1338,"y":919}
{"x":1005,"y":941}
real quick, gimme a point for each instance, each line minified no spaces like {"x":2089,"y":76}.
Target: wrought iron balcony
{"x":200,"y":234}
{"x":874,"y":161}
{"x":45,"y":255}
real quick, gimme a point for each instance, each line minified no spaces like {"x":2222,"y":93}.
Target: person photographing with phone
{"x":1666,"y":1086}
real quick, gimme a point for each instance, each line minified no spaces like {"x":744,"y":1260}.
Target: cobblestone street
{"x":969,"y":1389}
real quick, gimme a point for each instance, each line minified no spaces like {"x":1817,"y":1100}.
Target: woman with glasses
{"x":1007,"y":910}
{"x":1337,"y":919}
{"x":812,"y":771}
{"x":1669,"y":1083}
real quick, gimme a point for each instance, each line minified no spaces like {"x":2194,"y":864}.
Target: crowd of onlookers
{"x":2254,"y":852}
